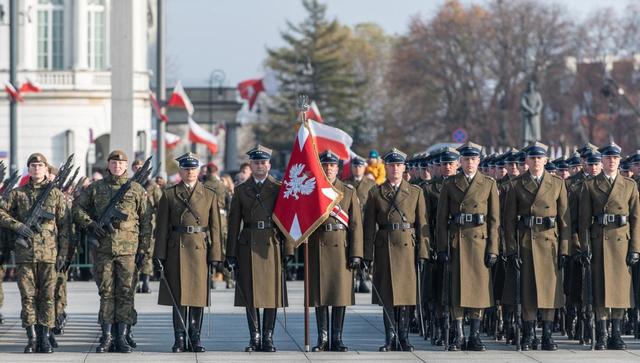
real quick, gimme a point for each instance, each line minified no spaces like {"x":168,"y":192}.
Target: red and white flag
{"x":306,"y":196}
{"x":156,"y":107}
{"x":180,"y":99}
{"x":12,"y":92}
{"x":170,"y":140}
{"x":329,"y":137}
{"x":314,"y":113}
{"x":199,"y":135}
{"x":30,"y":87}
{"x":250,"y":89}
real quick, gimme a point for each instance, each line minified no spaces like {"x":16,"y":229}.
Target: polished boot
{"x":145,"y":284}
{"x":195,"y":326}
{"x":474,"y":343}
{"x":121,"y":338}
{"x":458,"y":342}
{"x":404,"y":320}
{"x":547,"y":340}
{"x":601,"y":335}
{"x":389,"y":331}
{"x":129,"y":337}
{"x":535,"y":342}
{"x":439,"y":333}
{"x":527,"y":335}
{"x":105,"y":339}
{"x":268,"y":325}
{"x":337,"y":322}
{"x":43,"y":346}
{"x":31,"y":340}
{"x":616,"y":342}
{"x":253,"y":319}
{"x":178,"y":331}
{"x":322,"y":321}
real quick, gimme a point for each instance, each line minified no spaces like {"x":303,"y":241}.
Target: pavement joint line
{"x":294,"y":339}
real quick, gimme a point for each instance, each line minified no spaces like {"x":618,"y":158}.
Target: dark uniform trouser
{"x":60,"y":293}
{"x":1,"y":290}
{"x":603,"y":313}
{"x":114,"y":276}
{"x":36,"y":282}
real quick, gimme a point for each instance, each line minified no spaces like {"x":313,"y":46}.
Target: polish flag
{"x":30,"y":87}
{"x":156,"y":107}
{"x":24,"y":177}
{"x":329,"y":137}
{"x":170,"y":140}
{"x":12,"y":92}
{"x":314,"y":113}
{"x":199,"y":135}
{"x":250,"y":89}
{"x":180,"y":99}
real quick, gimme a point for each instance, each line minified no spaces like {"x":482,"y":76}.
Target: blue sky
{"x":232,"y":35}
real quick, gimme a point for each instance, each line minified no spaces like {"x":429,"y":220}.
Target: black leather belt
{"x":531,"y":221}
{"x":259,"y":225}
{"x":468,"y":218}
{"x":395,"y":226}
{"x":189,"y":229}
{"x":610,"y":219}
{"x":333,"y":227}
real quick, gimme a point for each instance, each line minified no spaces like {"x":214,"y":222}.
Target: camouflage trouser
{"x":37,"y":282}
{"x":147,"y":269}
{"x":132,"y":293}
{"x":61,"y":293}
{"x":114,"y":276}
{"x":1,"y":289}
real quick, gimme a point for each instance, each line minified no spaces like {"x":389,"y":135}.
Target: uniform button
{"x":182,"y":245}
{"x":406,"y":244}
{"x":336,"y":245}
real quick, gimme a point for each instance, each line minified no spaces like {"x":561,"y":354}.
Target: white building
{"x":64,"y":46}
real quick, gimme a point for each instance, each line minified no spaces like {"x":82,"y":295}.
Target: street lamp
{"x":217,"y":76}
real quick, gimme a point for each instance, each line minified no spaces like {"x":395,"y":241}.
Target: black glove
{"x":490,"y":260}
{"x":60,"y":262}
{"x":140,"y":259}
{"x":585,"y":258}
{"x":158,"y":265}
{"x":231,"y":263}
{"x":365,"y":265}
{"x":420,"y":263}
{"x":514,"y":261}
{"x":24,"y":232}
{"x":433,"y":256}
{"x":443,"y":257}
{"x":633,"y":258}
{"x":96,"y":230}
{"x":354,"y":263}
{"x":562,"y":261}
{"x":286,"y":260}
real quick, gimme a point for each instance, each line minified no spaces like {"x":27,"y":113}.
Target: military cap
{"x":118,"y":155}
{"x":491,"y":160}
{"x":435,"y":157}
{"x":358,"y":161}
{"x":394,"y":156}
{"x":611,"y":149}
{"x":574,"y":160}
{"x":625,"y":165}
{"x":259,"y":153}
{"x":520,"y":157}
{"x":594,"y":157}
{"x":511,"y":156}
{"x":329,"y":157}
{"x":36,"y":158}
{"x":188,"y":161}
{"x":137,"y":162}
{"x":561,"y":163}
{"x":469,"y":149}
{"x":635,"y":157}
{"x":424,"y":161}
{"x":536,"y":149}
{"x":587,"y":148}
{"x":501,"y":161}
{"x":550,"y":167}
{"x":449,"y":154}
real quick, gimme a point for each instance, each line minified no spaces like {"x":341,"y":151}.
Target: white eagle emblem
{"x":298,"y":182}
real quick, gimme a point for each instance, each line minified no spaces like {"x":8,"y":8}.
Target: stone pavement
{"x":228,"y":336}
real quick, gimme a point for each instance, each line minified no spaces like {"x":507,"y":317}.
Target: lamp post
{"x":216,"y":77}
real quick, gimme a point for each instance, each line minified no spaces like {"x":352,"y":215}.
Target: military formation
{"x":452,"y":244}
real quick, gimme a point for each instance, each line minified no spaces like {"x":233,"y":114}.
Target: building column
{"x":80,"y":34}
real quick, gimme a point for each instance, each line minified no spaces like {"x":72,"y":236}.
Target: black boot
{"x":527,"y":335}
{"x":195,"y":327}
{"x":1,"y":319}
{"x":458,"y":342}
{"x":105,"y":339}
{"x":337,"y":322}
{"x":129,"y":337}
{"x":322,"y":321}
{"x":145,"y":284}
{"x":474,"y":343}
{"x":616,"y":342}
{"x":178,"y":331}
{"x":253,"y":319}
{"x":121,"y":338}
{"x":404,"y":320}
{"x":44,"y":346}
{"x":535,"y":342}
{"x":547,"y":340}
{"x":363,"y":287}
{"x":601,"y":335}
{"x":31,"y":340}
{"x":389,"y":331}
{"x":52,"y":340}
{"x":268,"y":325}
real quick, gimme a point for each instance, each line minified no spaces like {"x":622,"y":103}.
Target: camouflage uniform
{"x":224,"y":201}
{"x":154,"y":193}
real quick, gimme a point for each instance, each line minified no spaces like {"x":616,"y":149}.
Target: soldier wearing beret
{"x":610,"y":241}
{"x":41,"y":254}
{"x":188,"y":246}
{"x":396,"y":236}
{"x":118,"y":253}
{"x":254,"y":250}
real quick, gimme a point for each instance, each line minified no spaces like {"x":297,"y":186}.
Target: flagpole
{"x":303,"y":106}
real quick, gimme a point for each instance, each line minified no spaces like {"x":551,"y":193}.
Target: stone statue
{"x":530,"y":107}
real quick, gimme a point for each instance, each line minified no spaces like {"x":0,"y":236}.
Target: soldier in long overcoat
{"x":396,"y":236}
{"x":335,"y":251}
{"x":188,"y":246}
{"x":537,"y":229}
{"x":255,"y":250}
{"x":610,"y":239}
{"x":468,"y":219}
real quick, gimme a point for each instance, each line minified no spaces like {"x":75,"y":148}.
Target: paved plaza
{"x":226,"y":339}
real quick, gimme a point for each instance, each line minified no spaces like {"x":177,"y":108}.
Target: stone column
{"x":80,"y":34}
